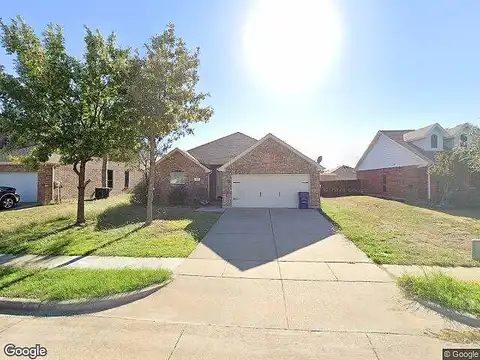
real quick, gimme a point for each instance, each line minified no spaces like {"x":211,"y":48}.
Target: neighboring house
{"x":242,"y":172}
{"x":342,"y":172}
{"x":53,"y":181}
{"x":396,"y":162}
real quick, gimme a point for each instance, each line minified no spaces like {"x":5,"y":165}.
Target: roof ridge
{"x":220,"y":138}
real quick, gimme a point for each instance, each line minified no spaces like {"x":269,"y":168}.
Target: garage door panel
{"x":268,"y":190}
{"x":26,"y":184}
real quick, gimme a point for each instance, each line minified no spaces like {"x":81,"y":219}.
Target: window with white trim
{"x":177,"y":178}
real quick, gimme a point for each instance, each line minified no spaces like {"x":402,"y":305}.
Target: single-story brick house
{"x":342,"y":173}
{"x":54,"y":182}
{"x":242,"y":172}
{"x":396,"y":163}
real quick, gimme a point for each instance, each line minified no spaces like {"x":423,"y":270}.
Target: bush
{"x":139,"y":193}
{"x":178,"y":195}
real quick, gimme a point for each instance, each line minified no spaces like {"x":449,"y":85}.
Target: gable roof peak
{"x":276,"y":139}
{"x":422,"y":132}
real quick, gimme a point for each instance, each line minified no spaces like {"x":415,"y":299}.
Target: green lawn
{"x":391,"y":232}
{"x":68,"y":284}
{"x":444,"y":290}
{"x":114,"y":227}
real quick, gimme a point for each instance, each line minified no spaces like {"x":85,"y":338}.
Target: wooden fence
{"x":341,"y":188}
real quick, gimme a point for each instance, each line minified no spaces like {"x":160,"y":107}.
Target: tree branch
{"x":75,"y":169}
{"x":87,"y":182}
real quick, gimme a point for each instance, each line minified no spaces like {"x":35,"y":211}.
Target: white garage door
{"x":272,"y":190}
{"x":24,"y":182}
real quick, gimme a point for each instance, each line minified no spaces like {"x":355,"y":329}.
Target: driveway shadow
{"x":247,"y":238}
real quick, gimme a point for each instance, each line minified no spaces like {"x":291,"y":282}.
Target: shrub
{"x":178,"y":195}
{"x":139,"y":193}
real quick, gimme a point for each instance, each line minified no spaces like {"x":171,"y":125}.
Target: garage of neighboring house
{"x":26,"y":184}
{"x":270,"y":173}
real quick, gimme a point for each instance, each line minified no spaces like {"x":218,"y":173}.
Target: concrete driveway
{"x":263,"y":284}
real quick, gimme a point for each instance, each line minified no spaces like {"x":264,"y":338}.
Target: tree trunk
{"x":104,"y":170}
{"x":81,"y":193}
{"x":151,"y":178}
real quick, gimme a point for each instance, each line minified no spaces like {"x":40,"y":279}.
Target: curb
{"x":464,"y":318}
{"x":72,"y":307}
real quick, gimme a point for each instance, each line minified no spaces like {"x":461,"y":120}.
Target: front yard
{"x":391,"y":232}
{"x":114,"y":228}
{"x":68,"y":284}
{"x":444,"y":290}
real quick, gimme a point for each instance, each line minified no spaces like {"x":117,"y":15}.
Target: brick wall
{"x":406,"y":182}
{"x":44,"y":182}
{"x":69,"y":179}
{"x":178,"y":162}
{"x":271,"y":158}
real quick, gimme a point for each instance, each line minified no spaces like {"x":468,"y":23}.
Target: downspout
{"x":429,"y":184}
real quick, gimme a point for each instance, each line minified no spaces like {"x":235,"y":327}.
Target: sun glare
{"x":291,"y":45}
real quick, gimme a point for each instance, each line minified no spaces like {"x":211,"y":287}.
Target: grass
{"x":391,"y":232}
{"x":114,"y":227}
{"x":458,"y":336}
{"x":69,"y":284}
{"x":444,"y":290}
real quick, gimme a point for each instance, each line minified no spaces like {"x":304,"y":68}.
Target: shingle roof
{"x":418,"y":134}
{"x":221,"y":151}
{"x":455,"y":129}
{"x":5,"y":156}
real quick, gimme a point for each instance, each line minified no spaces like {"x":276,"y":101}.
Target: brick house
{"x":396,"y":163}
{"x":54,"y":182}
{"x":242,"y":172}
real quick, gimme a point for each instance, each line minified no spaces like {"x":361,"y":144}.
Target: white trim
{"x":434,"y":126}
{"x":187,"y":155}
{"x":270,"y":136}
{"x":370,"y":147}
{"x":373,"y":143}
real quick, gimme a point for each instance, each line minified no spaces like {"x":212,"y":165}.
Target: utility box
{"x":102,"y":192}
{"x":303,"y":200}
{"x":476,"y":249}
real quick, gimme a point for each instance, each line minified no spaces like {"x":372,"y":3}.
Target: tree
{"x":451,"y":169}
{"x":165,"y":98}
{"x":473,"y":151}
{"x":77,"y":108}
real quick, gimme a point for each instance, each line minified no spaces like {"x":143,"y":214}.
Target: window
{"x":127,"y":179}
{"x":463,"y":140}
{"x":384,"y":182}
{"x":434,"y":141}
{"x":177,"y":178}
{"x":110,"y":179}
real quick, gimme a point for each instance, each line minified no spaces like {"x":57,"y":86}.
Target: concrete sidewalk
{"x":89,"y":262}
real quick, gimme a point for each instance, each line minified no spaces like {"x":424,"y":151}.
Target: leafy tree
{"x":77,"y":108}
{"x":473,"y":151}
{"x":165,"y":98}
{"x":452,"y":171}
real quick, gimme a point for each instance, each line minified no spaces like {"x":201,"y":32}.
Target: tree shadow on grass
{"x":104,"y":245}
{"x":8,"y":271}
{"x":16,"y":241}
{"x":128,"y":214}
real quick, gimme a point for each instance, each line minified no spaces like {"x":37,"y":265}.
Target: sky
{"x":322,"y":75}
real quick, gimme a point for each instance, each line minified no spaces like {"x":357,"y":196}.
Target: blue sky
{"x":399,"y":64}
